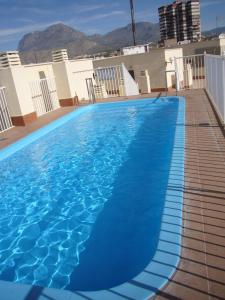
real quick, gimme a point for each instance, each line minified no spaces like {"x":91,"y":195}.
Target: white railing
{"x":5,"y":120}
{"x":215,"y":82}
{"x":190,"y":71}
{"x":114,"y":81}
{"x":44,"y":95}
{"x":109,"y":82}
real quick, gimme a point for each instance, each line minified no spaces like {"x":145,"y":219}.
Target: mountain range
{"x":215,"y":31}
{"x":37,"y":46}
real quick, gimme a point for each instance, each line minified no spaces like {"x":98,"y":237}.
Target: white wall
{"x":18,"y":94}
{"x":222,"y":46}
{"x":79,"y":71}
{"x":61,"y":73}
{"x":71,"y":77}
{"x":6,"y":79}
{"x":134,"y":50}
{"x":131,"y":87}
{"x":153,"y":62}
{"x":208,"y":46}
{"x":32,"y":71}
{"x":170,"y":54}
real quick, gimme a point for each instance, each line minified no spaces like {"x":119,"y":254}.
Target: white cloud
{"x":91,"y":18}
{"x":23,"y":29}
{"x":87,"y":8}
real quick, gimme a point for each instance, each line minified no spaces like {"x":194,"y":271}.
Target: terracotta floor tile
{"x":184,"y":293}
{"x":193,"y":225}
{"x":193,"y":244}
{"x":214,"y":222}
{"x":216,"y":275}
{"x":194,"y":234}
{"x":193,"y":255}
{"x":194,"y":268}
{"x":214,"y":214}
{"x":215,"y":230}
{"x":215,"y":239}
{"x":217,"y":290}
{"x":215,"y":261}
{"x":215,"y":250}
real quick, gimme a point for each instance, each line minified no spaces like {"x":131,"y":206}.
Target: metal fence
{"x":190,"y":71}
{"x":215,"y":82}
{"x":109,"y":82}
{"x":44,"y":95}
{"x":5,"y":120}
{"x":114,"y":81}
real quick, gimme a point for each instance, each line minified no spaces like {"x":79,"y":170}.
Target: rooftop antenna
{"x":133,"y":22}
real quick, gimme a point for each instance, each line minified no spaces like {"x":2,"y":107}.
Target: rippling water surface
{"x":84,"y":193}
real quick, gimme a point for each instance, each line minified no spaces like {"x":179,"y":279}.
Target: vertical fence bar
{"x":44,"y":95}
{"x":215,"y":82}
{"x":193,"y":69}
{"x":111,"y":78}
{"x":5,"y":119}
{"x":223,"y":84}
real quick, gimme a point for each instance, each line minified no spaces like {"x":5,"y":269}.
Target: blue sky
{"x":18,"y":17}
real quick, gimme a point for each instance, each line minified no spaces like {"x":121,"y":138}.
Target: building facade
{"x":180,"y":20}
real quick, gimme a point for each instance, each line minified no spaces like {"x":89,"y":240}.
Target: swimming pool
{"x":97,"y":192}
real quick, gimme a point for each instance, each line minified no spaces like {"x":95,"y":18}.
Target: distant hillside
{"x":215,"y":31}
{"x":37,"y":46}
{"x":145,"y":32}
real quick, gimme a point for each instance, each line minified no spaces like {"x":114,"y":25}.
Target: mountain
{"x":214,"y":32}
{"x":37,"y":46}
{"x":53,"y":36}
{"x":145,"y":32}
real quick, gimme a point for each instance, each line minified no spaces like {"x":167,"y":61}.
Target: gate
{"x":190,"y":71}
{"x":109,"y":82}
{"x":5,"y":120}
{"x":44,"y":95}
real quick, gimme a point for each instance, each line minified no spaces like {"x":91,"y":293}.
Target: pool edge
{"x":148,"y":284}
{"x":181,"y":115}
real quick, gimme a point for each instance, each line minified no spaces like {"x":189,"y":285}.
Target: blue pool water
{"x":81,"y":205}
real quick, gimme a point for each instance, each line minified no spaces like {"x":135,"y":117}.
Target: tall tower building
{"x":193,"y":20}
{"x":180,"y":20}
{"x":167,"y":20}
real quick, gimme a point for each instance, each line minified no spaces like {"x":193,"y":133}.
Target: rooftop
{"x":201,"y":272}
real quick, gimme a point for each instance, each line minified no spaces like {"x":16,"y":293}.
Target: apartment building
{"x":167,"y":21}
{"x":180,"y":20}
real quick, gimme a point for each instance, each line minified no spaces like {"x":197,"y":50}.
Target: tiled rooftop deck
{"x":201,"y":273}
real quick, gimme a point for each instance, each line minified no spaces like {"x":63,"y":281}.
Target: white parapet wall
{"x":130,"y":86}
{"x":61,"y":72}
{"x":215,"y":82}
{"x":71,"y":78}
{"x":143,"y":79}
{"x":170,"y":64}
{"x":80,"y":70}
{"x":38,"y":71}
{"x":17,"y":92}
{"x":154,"y":62}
